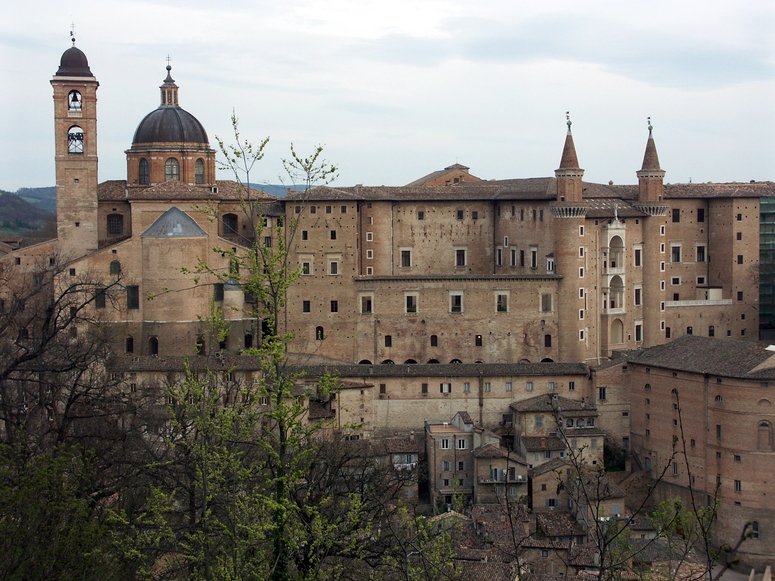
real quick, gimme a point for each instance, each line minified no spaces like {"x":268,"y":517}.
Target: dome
{"x":73,"y":64}
{"x":170,"y":124}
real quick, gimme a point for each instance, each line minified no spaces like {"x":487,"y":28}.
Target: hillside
{"x":19,"y":217}
{"x":45,"y":198}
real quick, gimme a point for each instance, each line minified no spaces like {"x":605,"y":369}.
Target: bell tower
{"x":75,"y":131}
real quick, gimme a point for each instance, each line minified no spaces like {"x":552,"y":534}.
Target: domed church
{"x":134,"y":236}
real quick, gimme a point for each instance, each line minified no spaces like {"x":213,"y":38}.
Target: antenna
{"x":72,"y":32}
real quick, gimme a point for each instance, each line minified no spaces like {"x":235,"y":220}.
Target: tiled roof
{"x":550,"y":403}
{"x":173,"y":223}
{"x":465,"y":417}
{"x":538,"y":443}
{"x":401,"y":445}
{"x":558,"y":524}
{"x":553,"y":464}
{"x":708,"y":355}
{"x":495,"y":451}
{"x":484,"y":571}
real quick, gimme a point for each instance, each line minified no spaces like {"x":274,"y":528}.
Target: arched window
{"x":115,"y":267}
{"x":569,"y":423}
{"x":153,"y":346}
{"x":115,"y":224}
{"x":547,"y":360}
{"x":590,"y":422}
{"x":689,"y":330}
{"x":74,"y":101}
{"x":248,"y":341}
{"x":410,"y":362}
{"x":364,"y":362}
{"x":171,"y":169}
{"x":719,"y":399}
{"x":434,"y":341}
{"x":580,"y":423}
{"x":433,"y":361}
{"x":199,"y":171}
{"x":129,"y":344}
{"x":145,"y":176}
{"x":617,"y":331}
{"x":319,"y":334}
{"x":229,"y":223}
{"x":388,"y":362}
{"x":456,"y":362}
{"x":75,"y":140}
{"x":764,"y":442}
{"x":616,"y":252}
{"x":647,"y":387}
{"x":616,"y":294}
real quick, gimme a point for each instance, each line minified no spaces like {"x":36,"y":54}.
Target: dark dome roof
{"x":170,"y":125}
{"x":73,"y":64}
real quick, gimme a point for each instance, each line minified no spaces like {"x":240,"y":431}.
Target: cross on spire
{"x":72,"y":32}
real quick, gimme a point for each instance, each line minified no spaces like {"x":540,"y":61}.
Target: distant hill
{"x":45,"y":198}
{"x":276,"y":190}
{"x":18,"y":217}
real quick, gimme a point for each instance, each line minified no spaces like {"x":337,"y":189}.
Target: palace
{"x":452,"y":299}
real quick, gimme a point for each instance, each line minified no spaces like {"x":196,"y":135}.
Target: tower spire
{"x":569,"y":158}
{"x":650,"y":176}
{"x":650,"y":159}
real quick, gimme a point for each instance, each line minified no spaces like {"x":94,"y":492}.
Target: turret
{"x":569,"y":174}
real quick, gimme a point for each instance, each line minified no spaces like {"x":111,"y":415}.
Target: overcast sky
{"x":397,"y":89}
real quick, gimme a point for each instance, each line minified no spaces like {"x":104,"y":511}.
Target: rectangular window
{"x":466,"y":387}
{"x":388,"y":340}
{"x":218,"y":291}
{"x":474,"y":215}
{"x":334,"y":306}
{"x":637,"y":297}
{"x":739,"y":295}
{"x":551,"y":386}
{"x":366,"y":306}
{"x":344,"y":209}
{"x":739,"y":217}
{"x":508,"y":386}
{"x":306,"y":268}
{"x":460,"y":257}
{"x":133,"y":297}
{"x":529,"y":386}
{"x":638,"y":332}
{"x":522,"y":258}
{"x":738,"y":486}
{"x":304,"y":235}
{"x":676,"y":214}
{"x":333,"y":234}
{"x":638,"y":253}
{"x":456,"y":303}
{"x":462,"y":444}
{"x":499,"y":256}
{"x":700,"y":254}
{"x":268,"y":241}
{"x":675,"y":468}
{"x":740,"y":259}
{"x":513,"y":257}
{"x":534,"y":258}
{"x":411,"y":303}
{"x":718,"y":430}
{"x":444,"y":444}
{"x":313,"y":209}
{"x":406,"y":258}
{"x":487,"y":386}
{"x":333,"y":267}
{"x":306,"y":306}
{"x":700,"y":214}
{"x":369,"y":254}
{"x":420,"y":215}
{"x":461,"y":466}
{"x":571,"y":386}
{"x":99,"y":298}
{"x":382,"y":388}
{"x":446,"y":466}
{"x":601,"y":392}
{"x":445,"y":388}
{"x":369,"y":236}
{"x":424,"y":388}
{"x":739,"y":235}
{"x":675,"y":254}
{"x":502,"y":303}
{"x":329,"y":209}
{"x":546,"y":302}
{"x":460,"y":214}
